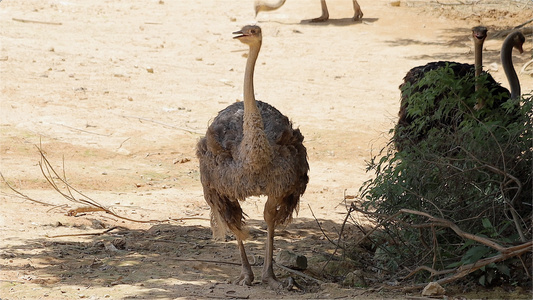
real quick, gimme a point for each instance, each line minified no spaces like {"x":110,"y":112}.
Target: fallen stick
{"x":163,"y":124}
{"x":86,"y":234}
{"x":36,"y":22}
{"x":21,"y":194}
{"x":299,"y":273}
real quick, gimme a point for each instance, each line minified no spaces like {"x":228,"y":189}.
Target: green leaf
{"x":504,"y":269}
{"x":482,"y":280}
{"x":475,"y":253}
{"x":486,"y":223}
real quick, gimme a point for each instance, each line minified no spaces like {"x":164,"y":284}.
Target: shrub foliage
{"x":470,"y":166}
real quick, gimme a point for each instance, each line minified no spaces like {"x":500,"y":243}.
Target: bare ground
{"x":118,"y":92}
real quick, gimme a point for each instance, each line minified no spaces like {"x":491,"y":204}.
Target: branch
{"x":49,"y":174}
{"x":36,"y":22}
{"x":21,"y":194}
{"x":163,"y":124}
{"x":458,"y":231}
{"x":467,"y":269}
{"x":505,"y":253}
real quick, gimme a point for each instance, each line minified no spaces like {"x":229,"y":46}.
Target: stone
{"x":354,"y":279}
{"x":291,"y":260}
{"x":433,"y":289}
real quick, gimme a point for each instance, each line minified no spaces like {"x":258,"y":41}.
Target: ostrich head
{"x":479,"y":33}
{"x":518,"y":40}
{"x":249,"y":34}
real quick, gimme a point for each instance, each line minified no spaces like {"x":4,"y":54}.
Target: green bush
{"x":470,"y":166}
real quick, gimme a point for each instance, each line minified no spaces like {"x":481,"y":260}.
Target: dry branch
{"x":74,"y":195}
{"x":87,"y":234}
{"x":467,"y":269}
{"x":163,"y":124}
{"x":459,"y":272}
{"x":36,"y":22}
{"x":299,"y":273}
{"x":21,"y":194}
{"x":49,"y":174}
{"x":457,"y":230}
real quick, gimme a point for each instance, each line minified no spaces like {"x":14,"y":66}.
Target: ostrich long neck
{"x":260,"y":6}
{"x":250,"y":105}
{"x":478,"y":61}
{"x":507,"y":63}
{"x":478,"y":56}
{"x":255,"y":151}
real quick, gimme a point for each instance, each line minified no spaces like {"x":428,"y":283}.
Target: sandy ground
{"x":117,"y":93}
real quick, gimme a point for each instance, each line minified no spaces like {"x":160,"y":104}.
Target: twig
{"x":458,"y":231}
{"x":467,"y":269}
{"x":86,"y":234}
{"x":49,"y":173}
{"x":524,"y":24}
{"x":36,"y":22}
{"x":375,"y":227}
{"x":22,"y":195}
{"x":505,"y":253}
{"x":320,"y":227}
{"x":81,"y":130}
{"x":301,"y":274}
{"x":203,"y":260}
{"x":430,"y":270}
{"x":189,"y":218}
{"x":161,"y":123}
{"x":525,"y":66}
{"x":516,"y":217}
{"x":120,"y":146}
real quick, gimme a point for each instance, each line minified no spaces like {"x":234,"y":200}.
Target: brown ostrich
{"x":261,"y":5}
{"x":251,"y":149}
{"x":402,"y":138}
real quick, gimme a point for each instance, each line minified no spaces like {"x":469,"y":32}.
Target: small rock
{"x":395,"y":3}
{"x":150,"y":70}
{"x":110,"y":247}
{"x":97,"y":224}
{"x":119,"y":243}
{"x":354,"y":279}
{"x":291,"y":260}
{"x":433,"y":289}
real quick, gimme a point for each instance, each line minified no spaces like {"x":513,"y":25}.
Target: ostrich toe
{"x":245,"y":279}
{"x":273,"y":283}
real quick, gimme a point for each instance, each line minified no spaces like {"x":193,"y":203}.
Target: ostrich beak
{"x":480,"y":36}
{"x":240,"y":34}
{"x":520,"y":49}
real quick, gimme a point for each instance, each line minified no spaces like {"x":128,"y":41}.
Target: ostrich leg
{"x":270,"y":219}
{"x":325,"y":14}
{"x":358,"y":13}
{"x":247,"y":276}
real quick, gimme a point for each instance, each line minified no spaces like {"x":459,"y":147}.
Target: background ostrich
{"x":403,"y":137}
{"x":261,"y":5}
{"x":251,"y":149}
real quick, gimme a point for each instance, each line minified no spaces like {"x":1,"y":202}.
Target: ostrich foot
{"x":358,"y":16}
{"x":245,"y":279}
{"x":273,"y":283}
{"x":320,"y":19}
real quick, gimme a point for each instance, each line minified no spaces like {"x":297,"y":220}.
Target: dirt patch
{"x":117,"y":93}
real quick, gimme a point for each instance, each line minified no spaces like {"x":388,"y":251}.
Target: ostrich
{"x":260,"y":5}
{"x":513,"y":40}
{"x":251,"y":149}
